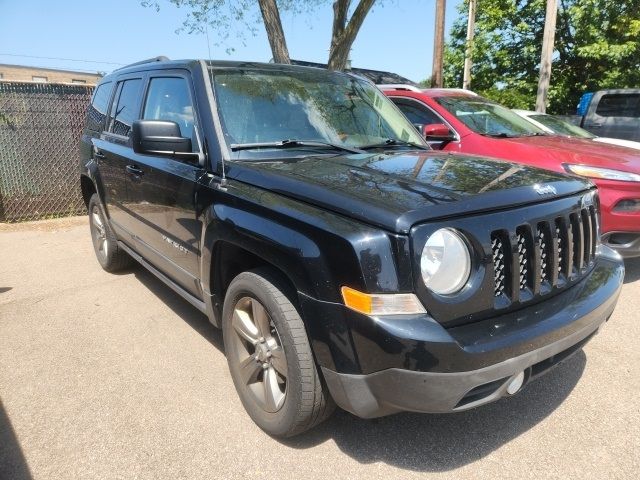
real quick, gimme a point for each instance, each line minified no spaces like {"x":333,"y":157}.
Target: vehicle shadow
{"x":632,"y":267}
{"x":438,"y":443}
{"x":425,"y":443}
{"x":12,"y":462}
{"x":191,"y":315}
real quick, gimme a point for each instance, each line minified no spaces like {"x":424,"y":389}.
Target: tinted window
{"x":168,"y":99}
{"x":488,"y":118}
{"x":99,"y":105}
{"x":126,"y":110}
{"x":619,"y":105}
{"x":560,"y":126}
{"x":271,"y":106}
{"x":417,"y":114}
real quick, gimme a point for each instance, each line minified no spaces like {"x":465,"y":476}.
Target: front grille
{"x":544,"y":255}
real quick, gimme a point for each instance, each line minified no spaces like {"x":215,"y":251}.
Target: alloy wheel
{"x":100,"y":234}
{"x":261,"y":358}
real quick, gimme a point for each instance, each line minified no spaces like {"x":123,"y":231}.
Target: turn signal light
{"x":382,"y":303}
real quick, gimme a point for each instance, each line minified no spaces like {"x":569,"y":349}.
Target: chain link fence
{"x":40,"y":129}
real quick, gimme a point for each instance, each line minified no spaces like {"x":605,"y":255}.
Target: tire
{"x":267,"y":349}
{"x":105,"y":245}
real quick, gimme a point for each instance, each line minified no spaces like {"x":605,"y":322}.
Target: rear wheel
{"x":270,"y":358}
{"x":110,"y":256}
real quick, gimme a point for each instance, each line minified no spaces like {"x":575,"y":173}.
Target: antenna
{"x":223,"y":180}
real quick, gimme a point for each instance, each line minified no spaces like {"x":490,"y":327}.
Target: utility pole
{"x":438,"y":45}
{"x":468,"y":54}
{"x":547,"y":55}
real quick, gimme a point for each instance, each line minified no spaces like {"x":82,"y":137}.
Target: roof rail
{"x":160,"y":58}
{"x":399,"y":86}
{"x":462,"y":90}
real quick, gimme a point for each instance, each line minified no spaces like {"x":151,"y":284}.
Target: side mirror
{"x":159,"y":137}
{"x":437,"y":132}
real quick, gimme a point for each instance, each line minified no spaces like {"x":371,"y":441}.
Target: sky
{"x":106,"y":34}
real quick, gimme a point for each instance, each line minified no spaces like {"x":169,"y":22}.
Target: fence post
{"x":2,"y":215}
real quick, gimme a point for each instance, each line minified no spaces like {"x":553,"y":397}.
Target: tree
{"x":237,"y":18}
{"x":597,"y":46}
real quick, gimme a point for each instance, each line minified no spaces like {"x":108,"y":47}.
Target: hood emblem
{"x":545,"y":189}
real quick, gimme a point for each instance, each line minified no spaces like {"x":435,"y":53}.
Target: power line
{"x":58,"y":58}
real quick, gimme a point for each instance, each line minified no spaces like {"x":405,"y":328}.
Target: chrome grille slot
{"x":561,"y":234}
{"x":578,"y":240}
{"x":524,"y":257}
{"x":499,"y":245}
{"x":543,"y":244}
{"x":587,"y":235}
{"x":595,"y":234}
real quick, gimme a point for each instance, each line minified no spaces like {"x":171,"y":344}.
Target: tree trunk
{"x":438,"y":45}
{"x":468,"y":54}
{"x":345,"y":33}
{"x":547,"y":55}
{"x":273,"y":25}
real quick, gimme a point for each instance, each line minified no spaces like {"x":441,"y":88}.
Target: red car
{"x":461,"y":121}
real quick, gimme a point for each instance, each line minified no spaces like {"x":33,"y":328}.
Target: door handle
{"x":134,"y":170}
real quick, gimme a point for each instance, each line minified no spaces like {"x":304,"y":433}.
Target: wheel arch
{"x":87,"y":188}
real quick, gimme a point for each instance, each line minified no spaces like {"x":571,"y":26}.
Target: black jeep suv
{"x":346,"y":262}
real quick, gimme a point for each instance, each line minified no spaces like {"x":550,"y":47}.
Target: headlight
{"x":445,"y":262}
{"x":603,"y":173}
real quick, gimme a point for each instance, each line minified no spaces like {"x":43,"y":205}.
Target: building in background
{"x":21,"y":73}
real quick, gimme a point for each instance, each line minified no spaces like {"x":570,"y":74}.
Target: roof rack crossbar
{"x":159,"y":58}
{"x":399,"y":86}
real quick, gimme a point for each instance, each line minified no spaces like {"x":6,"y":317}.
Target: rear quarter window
{"x":127,"y":108}
{"x":619,"y":105}
{"x":97,"y":111}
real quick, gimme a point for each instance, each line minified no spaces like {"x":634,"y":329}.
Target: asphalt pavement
{"x":108,"y":376}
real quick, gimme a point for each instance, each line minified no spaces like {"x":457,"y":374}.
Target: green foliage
{"x":227,"y":21}
{"x":597,"y":46}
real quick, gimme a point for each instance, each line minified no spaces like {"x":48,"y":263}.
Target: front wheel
{"x":270,"y":358}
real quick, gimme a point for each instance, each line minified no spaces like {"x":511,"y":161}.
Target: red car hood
{"x":581,"y":150}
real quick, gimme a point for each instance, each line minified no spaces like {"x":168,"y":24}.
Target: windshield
{"x":488,"y":118}
{"x":265,"y":106}
{"x":560,"y":126}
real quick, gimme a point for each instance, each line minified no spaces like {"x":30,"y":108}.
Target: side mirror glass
{"x":437,"y":132}
{"x":159,"y":137}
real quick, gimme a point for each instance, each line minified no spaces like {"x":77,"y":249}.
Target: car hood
{"x":396,"y":191}
{"x":584,"y":151}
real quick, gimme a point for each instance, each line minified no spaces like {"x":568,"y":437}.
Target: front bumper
{"x":621,"y":230}
{"x":454,"y":369}
{"x":627,"y":244}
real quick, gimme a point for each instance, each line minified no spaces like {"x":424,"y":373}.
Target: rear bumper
{"x":475,"y":363}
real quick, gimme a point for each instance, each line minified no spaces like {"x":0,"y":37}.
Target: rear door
{"x":615,"y":115}
{"x":112,"y":151}
{"x":162,"y":190}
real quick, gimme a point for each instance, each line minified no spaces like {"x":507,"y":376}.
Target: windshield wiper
{"x":293,"y":144}
{"x":497,"y":135}
{"x":391,"y":142}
